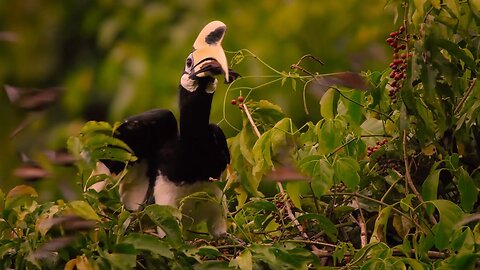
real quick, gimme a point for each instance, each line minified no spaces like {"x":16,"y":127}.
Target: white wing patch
{"x":134,"y":186}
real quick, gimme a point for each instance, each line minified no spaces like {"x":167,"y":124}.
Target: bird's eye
{"x":189,"y":62}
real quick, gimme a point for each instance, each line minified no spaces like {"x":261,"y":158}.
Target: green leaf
{"x":453,"y":6}
{"x":346,"y":170}
{"x":148,"y":243}
{"x":83,"y":209}
{"x":450,"y":217}
{"x":293,"y":190}
{"x":210,"y":252}
{"x":330,"y":135}
{"x":463,"y":241}
{"x":121,"y":260}
{"x":260,"y":204}
{"x":454,"y":50}
{"x":166,"y":217}
{"x":468,"y":190}
{"x":94,"y":126}
{"x":328,"y":104}
{"x":243,"y":261}
{"x":380,"y":229}
{"x":414,"y":264}
{"x":20,"y":195}
{"x":430,"y":188}
{"x":435,"y":4}
{"x":321,"y":172}
{"x":355,"y":111}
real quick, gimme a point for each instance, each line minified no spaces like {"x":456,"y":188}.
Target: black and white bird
{"x":174,"y":162}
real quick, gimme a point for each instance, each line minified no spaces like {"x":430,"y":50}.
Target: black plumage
{"x":175,"y":161}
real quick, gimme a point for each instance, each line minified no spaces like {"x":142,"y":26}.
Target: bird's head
{"x":207,"y":60}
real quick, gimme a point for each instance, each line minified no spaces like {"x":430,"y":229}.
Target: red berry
{"x":392,"y":74}
{"x":395,"y":55}
{"x":234,"y":102}
{"x":397,"y":61}
{"x":389,"y":40}
{"x":393,"y":66}
{"x":403,"y":56}
{"x":402,"y":47}
{"x":399,"y":76}
{"x":393,"y":34}
{"x":241,"y":99}
{"x":402,"y":28}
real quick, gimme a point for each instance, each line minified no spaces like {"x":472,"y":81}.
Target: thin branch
{"x":408,"y":179}
{"x":362,"y":225}
{"x":279,"y":184}
{"x":467,"y":94}
{"x":363,"y":106}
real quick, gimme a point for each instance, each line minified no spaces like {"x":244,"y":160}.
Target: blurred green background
{"x":115,"y":58}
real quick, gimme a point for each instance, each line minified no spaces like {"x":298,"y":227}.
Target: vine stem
{"x":280,"y":186}
{"x":362,"y":225}
{"x":408,"y":178}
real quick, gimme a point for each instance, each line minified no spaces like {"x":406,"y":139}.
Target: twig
{"x":467,"y":94}
{"x":362,"y":225}
{"x":363,"y":106}
{"x":356,"y":194}
{"x":409,"y":180}
{"x":279,"y":184}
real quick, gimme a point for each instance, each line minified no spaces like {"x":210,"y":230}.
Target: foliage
{"x":381,"y":181}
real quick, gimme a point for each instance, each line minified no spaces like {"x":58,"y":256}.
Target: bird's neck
{"x":195,"y":114}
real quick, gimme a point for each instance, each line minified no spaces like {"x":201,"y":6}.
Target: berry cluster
{"x":373,"y":149}
{"x":240,"y":101}
{"x":386,"y":164}
{"x":397,"y":41}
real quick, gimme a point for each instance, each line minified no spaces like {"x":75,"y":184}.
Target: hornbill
{"x":176,"y":162}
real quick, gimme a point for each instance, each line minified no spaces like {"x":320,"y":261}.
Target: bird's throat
{"x":195,"y":114}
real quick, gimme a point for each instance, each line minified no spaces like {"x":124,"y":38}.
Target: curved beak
{"x":208,"y":55}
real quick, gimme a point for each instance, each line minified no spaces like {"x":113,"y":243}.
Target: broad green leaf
{"x":328,"y":105}
{"x":212,"y":265}
{"x":166,"y":217}
{"x":293,"y":190}
{"x":453,"y":49}
{"x":209,"y":252}
{"x":402,"y":225}
{"x":450,"y":217}
{"x":468,"y":190}
{"x":463,"y":241}
{"x":148,"y":243}
{"x":353,"y":105}
{"x":121,"y":260}
{"x":414,"y":264}
{"x":82,"y":209}
{"x":435,"y":4}
{"x":453,"y":6}
{"x":346,"y":170}
{"x":20,"y":195}
{"x":243,"y":261}
{"x":321,"y":172}
{"x":380,"y":229}
{"x":261,"y":204}
{"x":94,"y":126}
{"x":330,"y":135}
{"x":430,"y":188}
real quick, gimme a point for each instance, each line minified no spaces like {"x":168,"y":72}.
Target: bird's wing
{"x":146,"y":134}
{"x":221,"y":143}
